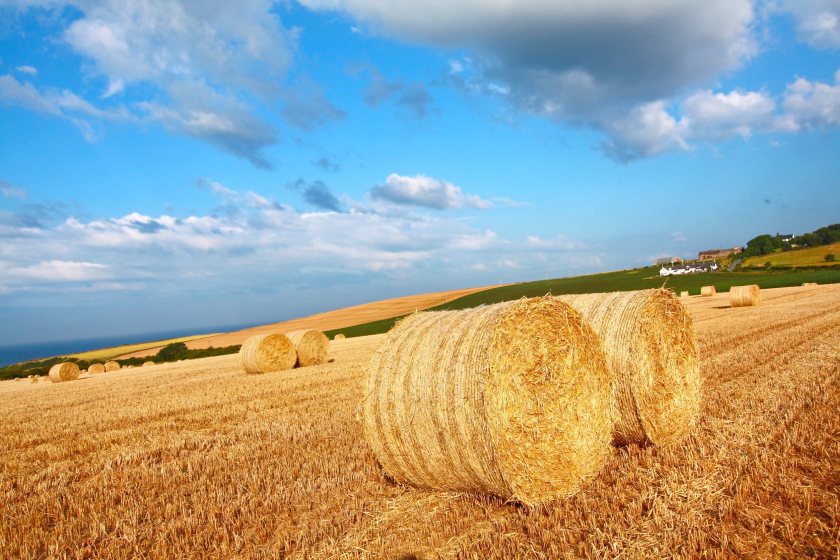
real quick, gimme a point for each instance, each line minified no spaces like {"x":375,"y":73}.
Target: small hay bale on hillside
{"x":707,"y":291}
{"x":112,"y":366}
{"x":148,"y":364}
{"x":810,"y":284}
{"x":96,"y":368}
{"x":267,"y":352}
{"x":512,"y":399}
{"x":65,"y":371}
{"x":35,"y":379}
{"x":339,"y":336}
{"x":683,"y":294}
{"x":311,"y":346}
{"x":648,"y":339}
{"x":744,"y":296}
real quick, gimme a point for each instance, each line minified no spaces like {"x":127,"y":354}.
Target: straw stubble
{"x":511,"y":399}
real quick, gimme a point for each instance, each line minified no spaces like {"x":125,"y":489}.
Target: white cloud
{"x":59,"y":271}
{"x":26,"y":69}
{"x":817,"y":21}
{"x":813,"y":104}
{"x":264,"y":242}
{"x":8,"y":190}
{"x":197,"y":66}
{"x":580,"y":62}
{"x":427,"y":192}
{"x":722,"y":115}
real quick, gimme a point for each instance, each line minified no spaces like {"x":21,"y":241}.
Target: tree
{"x":172,"y":352}
{"x":830,"y":257}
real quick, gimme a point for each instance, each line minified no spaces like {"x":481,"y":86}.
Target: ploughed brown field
{"x":195,"y":459}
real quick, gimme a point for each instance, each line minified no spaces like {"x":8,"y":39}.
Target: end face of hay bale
{"x":651,"y":351}
{"x":311,"y":345}
{"x":96,"y":368}
{"x":707,"y":291}
{"x":744,"y":296}
{"x":510,"y":399}
{"x":148,"y":364}
{"x":65,"y":371}
{"x":683,"y":294}
{"x":267,"y":352}
{"x":112,"y":366}
{"x":339,"y":336}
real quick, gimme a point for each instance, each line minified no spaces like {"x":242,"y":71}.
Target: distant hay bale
{"x":311,"y":346}
{"x":810,"y":284}
{"x":648,"y":339}
{"x":96,"y":368}
{"x":339,"y":336}
{"x":267,"y":352}
{"x":708,"y":291}
{"x":744,"y":296}
{"x":683,"y":294}
{"x":35,"y":379}
{"x":65,"y":371}
{"x":148,"y":364}
{"x":511,"y":399}
{"x":112,"y":366}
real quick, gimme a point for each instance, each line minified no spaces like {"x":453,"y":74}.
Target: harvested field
{"x":189,"y":460}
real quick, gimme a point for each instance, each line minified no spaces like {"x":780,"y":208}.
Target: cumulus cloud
{"x":817,"y":21}
{"x":813,"y":104}
{"x":197,"y":67}
{"x":258,"y":243}
{"x":573,"y":61}
{"x":427,"y":192}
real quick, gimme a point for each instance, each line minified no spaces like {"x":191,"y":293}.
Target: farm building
{"x":689,"y":268}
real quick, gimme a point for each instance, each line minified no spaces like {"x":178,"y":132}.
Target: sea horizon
{"x":25,"y":352}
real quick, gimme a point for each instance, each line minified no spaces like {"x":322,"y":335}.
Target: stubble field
{"x":196,"y":460}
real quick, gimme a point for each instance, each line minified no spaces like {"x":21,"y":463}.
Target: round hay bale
{"x":810,"y":284}
{"x":267,"y":352}
{"x":96,"y":368}
{"x":112,"y":366}
{"x":707,"y":291}
{"x":648,"y":339}
{"x":744,"y":296}
{"x":35,"y":379}
{"x":339,"y":336}
{"x":512,"y":399}
{"x":311,"y":346}
{"x":683,"y":294}
{"x":65,"y":371}
{"x":148,"y":364}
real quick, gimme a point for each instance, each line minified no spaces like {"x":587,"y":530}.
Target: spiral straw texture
{"x":65,"y":371}
{"x":311,"y":346}
{"x":267,"y":352}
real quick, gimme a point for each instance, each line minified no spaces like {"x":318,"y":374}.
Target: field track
{"x":195,"y":459}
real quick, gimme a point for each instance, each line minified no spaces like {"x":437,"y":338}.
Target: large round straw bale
{"x":651,"y":351}
{"x":148,"y":364}
{"x":510,"y":399}
{"x":65,"y":371}
{"x":339,"y":336}
{"x":708,"y":291}
{"x":311,"y":346}
{"x":267,"y":352}
{"x":112,"y":366}
{"x":744,"y":296}
{"x":684,"y":294}
{"x":96,"y":368}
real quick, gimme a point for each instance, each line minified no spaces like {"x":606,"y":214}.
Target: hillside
{"x":636,"y":279}
{"x":808,"y":256}
{"x":330,"y":320}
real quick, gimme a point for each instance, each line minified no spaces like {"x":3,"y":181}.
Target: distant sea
{"x":24,"y":352}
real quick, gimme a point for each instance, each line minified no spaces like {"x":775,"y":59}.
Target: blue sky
{"x":174,"y":165}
